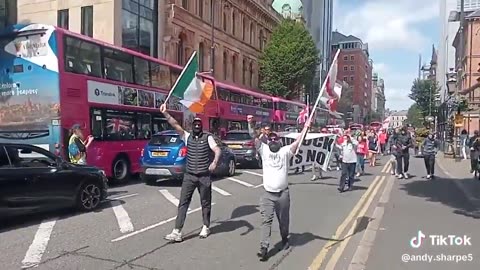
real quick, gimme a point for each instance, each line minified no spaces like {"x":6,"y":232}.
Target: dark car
{"x":33,"y":179}
{"x":165,"y":157}
{"x":243,"y":146}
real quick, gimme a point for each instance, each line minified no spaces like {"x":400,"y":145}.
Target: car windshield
{"x":165,"y":140}
{"x":237,"y":136}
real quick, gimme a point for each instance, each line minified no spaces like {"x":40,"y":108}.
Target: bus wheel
{"x":121,"y":170}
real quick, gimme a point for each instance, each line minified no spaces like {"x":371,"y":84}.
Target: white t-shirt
{"x":211,"y":141}
{"x":275,"y":167}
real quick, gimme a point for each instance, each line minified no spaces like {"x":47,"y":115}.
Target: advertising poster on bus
{"x":29,"y":84}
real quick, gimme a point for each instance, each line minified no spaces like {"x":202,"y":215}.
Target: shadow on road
{"x":298,"y":240}
{"x":442,"y":190}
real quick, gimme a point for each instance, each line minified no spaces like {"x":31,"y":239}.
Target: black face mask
{"x":430,"y":137}
{"x":197,"y":128}
{"x":274,"y":146}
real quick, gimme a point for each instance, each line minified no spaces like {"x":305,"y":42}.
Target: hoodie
{"x":402,"y":143}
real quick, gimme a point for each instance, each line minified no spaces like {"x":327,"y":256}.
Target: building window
{"x":252,"y":34}
{"x":234,"y":23}
{"x":181,"y":50}
{"x":244,"y":69}
{"x":345,"y":78}
{"x":225,"y":65}
{"x":139,"y":30}
{"x":201,"y":56}
{"x":352,"y":57}
{"x":87,"y":21}
{"x":352,"y":78}
{"x":352,"y":68}
{"x":62,"y":18}
{"x":234,"y":66}
{"x":251,"y":73}
{"x":345,"y":58}
{"x":244,"y":29}
{"x":345,"y":68}
{"x":225,"y":20}
{"x":185,"y":4}
{"x":262,"y":40}
{"x":201,"y":6}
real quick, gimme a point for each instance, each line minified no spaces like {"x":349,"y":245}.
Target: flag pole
{"x":194,"y":53}
{"x":320,"y":94}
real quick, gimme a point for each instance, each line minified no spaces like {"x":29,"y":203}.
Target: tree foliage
{"x":415,"y":116}
{"x":423,"y":92}
{"x":289,"y":60}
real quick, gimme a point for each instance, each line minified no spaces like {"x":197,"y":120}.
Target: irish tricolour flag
{"x":192,"y":92}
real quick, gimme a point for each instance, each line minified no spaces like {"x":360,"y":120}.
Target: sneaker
{"x":314,"y":177}
{"x":406,"y":175}
{"x":393,"y":173}
{"x":285,"y":244}
{"x":338,"y":168}
{"x":429,"y":177}
{"x":400,"y":176}
{"x":262,"y":254}
{"x":205,"y":232}
{"x":175,"y":235}
{"x":358,"y":174}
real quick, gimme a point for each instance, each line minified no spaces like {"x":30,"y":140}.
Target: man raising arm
{"x":200,"y":164}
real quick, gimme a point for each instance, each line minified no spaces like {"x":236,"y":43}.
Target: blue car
{"x":165,"y":156}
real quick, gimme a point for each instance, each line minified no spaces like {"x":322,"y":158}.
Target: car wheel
{"x":89,"y":196}
{"x":121,"y":170}
{"x":231,"y":167}
{"x":259,"y":163}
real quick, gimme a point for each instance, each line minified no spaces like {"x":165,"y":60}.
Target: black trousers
{"x":473,"y":160}
{"x":190,"y":183}
{"x":348,"y":174}
{"x":429,"y":163}
{"x":403,"y":162}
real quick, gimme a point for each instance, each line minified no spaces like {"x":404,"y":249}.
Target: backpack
{"x":73,"y":150}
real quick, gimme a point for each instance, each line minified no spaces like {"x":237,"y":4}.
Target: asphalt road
{"x":127,"y":232}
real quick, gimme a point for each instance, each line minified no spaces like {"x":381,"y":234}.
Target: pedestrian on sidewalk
{"x":430,"y":149}
{"x":203,"y":154}
{"x":276,"y":197}
{"x":401,"y":147}
{"x":349,"y":163}
{"x":464,"y":143}
{"x":473,"y":152}
{"x":362,"y":152}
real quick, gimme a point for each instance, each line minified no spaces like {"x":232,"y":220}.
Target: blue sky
{"x":397,"y":31}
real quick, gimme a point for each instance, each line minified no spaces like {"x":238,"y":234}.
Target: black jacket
{"x":401,"y":141}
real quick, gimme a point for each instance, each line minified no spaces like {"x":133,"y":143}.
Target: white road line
{"x":221,"y":191}
{"x":257,"y":186}
{"x":39,"y":244}
{"x":253,"y":173}
{"x":123,"y":197}
{"x":153,"y":226}
{"x":123,"y":219}
{"x":240,"y":182}
{"x":170,"y":197}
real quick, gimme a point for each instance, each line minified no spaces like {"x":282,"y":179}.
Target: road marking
{"x":240,"y":182}
{"x":170,"y":197}
{"x":123,"y":219}
{"x":221,"y":191}
{"x":386,"y":167}
{"x":123,"y":197}
{"x":253,"y":173}
{"x":340,"y":249}
{"x":153,"y":226}
{"x":317,"y":262}
{"x":362,"y":252}
{"x":257,"y":186}
{"x":39,"y":244}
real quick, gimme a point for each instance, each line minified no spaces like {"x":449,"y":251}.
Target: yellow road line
{"x":341,"y":248}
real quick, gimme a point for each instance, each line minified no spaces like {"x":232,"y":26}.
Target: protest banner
{"x":316,"y":148}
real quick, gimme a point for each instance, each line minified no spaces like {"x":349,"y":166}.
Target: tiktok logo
{"x":417,"y":241}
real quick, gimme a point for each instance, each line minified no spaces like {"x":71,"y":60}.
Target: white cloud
{"x":380,"y":68}
{"x":397,"y":88}
{"x":387,"y":24}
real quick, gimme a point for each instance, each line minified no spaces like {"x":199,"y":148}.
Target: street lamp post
{"x":212,"y":37}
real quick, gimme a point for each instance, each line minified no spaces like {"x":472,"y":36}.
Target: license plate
{"x":163,"y":172}
{"x":159,"y":154}
{"x":235,"y":146}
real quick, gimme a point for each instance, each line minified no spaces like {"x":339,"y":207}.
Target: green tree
{"x":414,"y":116}
{"x":423,"y":92}
{"x":289,"y":60}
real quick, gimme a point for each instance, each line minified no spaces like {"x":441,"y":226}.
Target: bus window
{"x":142,"y":71}
{"x":97,"y":124}
{"x":82,"y":57}
{"x":160,"y":124}
{"x":160,"y":76}
{"x":118,"y":65}
{"x":120,"y":125}
{"x":143,"y":126}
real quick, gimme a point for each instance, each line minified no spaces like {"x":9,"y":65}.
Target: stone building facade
{"x":242,"y":28}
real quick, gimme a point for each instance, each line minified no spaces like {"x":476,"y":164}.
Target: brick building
{"x":170,"y":29}
{"x":355,"y":68}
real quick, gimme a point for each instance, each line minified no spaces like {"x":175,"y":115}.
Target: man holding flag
{"x":203,"y":152}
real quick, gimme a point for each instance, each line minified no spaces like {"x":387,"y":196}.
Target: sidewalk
{"x":459,"y":170}
{"x":436,"y":207}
